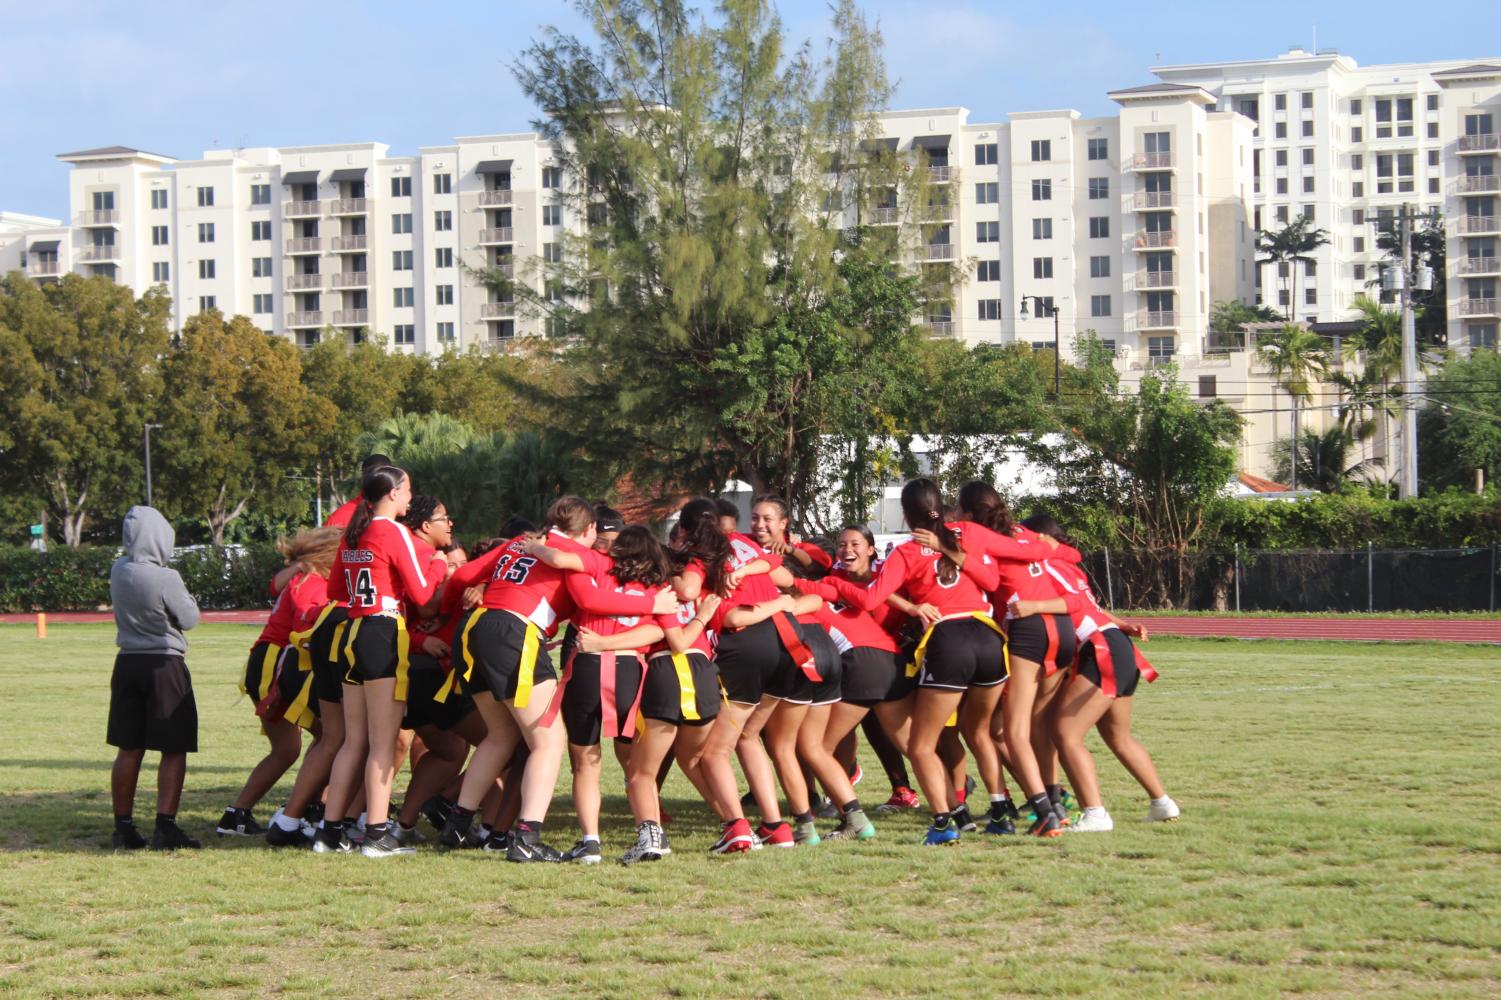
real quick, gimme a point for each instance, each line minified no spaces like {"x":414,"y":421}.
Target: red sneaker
{"x":735,"y":837}
{"x":779,"y":837}
{"x":902,"y":800}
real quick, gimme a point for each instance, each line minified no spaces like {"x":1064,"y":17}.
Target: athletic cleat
{"x":854,"y":826}
{"x":806,"y":835}
{"x":278,"y":836}
{"x":585,"y":852}
{"x":969,"y":786}
{"x":748,"y":800}
{"x":941,"y":836}
{"x":170,"y":837}
{"x":1002,"y":827}
{"x":963,"y":821}
{"x":781,"y":836}
{"x":127,"y":839}
{"x":331,"y":841}
{"x":1061,"y":811}
{"x":356,"y":831}
{"x":1095,"y":820}
{"x":496,"y":843}
{"x":827,"y":809}
{"x":1045,"y":825}
{"x":665,"y":847}
{"x":384,"y":846}
{"x":456,"y":837}
{"x":859,"y":774}
{"x":902,"y":799}
{"x":238,"y":823}
{"x":437,"y":810}
{"x":313,"y":813}
{"x":735,"y":838}
{"x":1163,"y":810}
{"x":648,"y":846}
{"x":526,"y":846}
{"x":406,"y":835}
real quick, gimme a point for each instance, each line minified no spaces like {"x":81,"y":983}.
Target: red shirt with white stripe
{"x":914,"y":570}
{"x":382,"y":571}
{"x":304,"y":593}
{"x":683,"y":616}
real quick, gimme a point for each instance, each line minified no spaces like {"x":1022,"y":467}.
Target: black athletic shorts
{"x":151,"y":704}
{"x":583,"y":698}
{"x":290,"y":681}
{"x":376,"y":654}
{"x":496,"y":643}
{"x":963,"y":653}
{"x":425,"y":677}
{"x":830,"y":667}
{"x":326,"y":647}
{"x":873,"y":675}
{"x":749,"y":659}
{"x":260,"y":670}
{"x":1042,"y":638}
{"x":1115,"y":674}
{"x":681,"y":689}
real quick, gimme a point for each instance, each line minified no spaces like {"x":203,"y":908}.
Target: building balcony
{"x":1488,"y":142}
{"x":507,"y":270}
{"x":99,"y":217}
{"x":1480,"y":307}
{"x":305,"y":244}
{"x":1152,"y":161}
{"x":350,"y":206}
{"x":97,"y":253}
{"x":940,"y":175}
{"x":491,"y":199}
{"x":351,"y":317}
{"x":938,"y":327}
{"x":1144,"y":201}
{"x":43,"y":268}
{"x":302,"y":319}
{"x":938,"y":251}
{"x":1478,"y":184}
{"x":1156,"y":279}
{"x":885,"y":216}
{"x":497,"y":310}
{"x":304,"y":282}
{"x":504,"y":345}
{"x":301,"y":209}
{"x":502,"y":234}
{"x":1478,"y":225}
{"x":351,"y":279}
{"x":937,"y":213}
{"x":1148,"y":320}
{"x":1161,"y":239}
{"x":1476,"y":266}
{"x":350,"y":244}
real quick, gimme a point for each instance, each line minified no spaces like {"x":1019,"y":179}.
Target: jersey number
{"x":361,"y":590}
{"x":513,"y":572}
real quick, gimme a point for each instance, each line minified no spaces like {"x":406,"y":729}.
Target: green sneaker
{"x":806,"y":835}
{"x":854,"y":826}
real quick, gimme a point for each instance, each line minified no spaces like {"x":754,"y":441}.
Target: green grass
{"x":1339,"y":837}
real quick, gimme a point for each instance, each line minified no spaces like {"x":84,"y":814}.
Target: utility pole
{"x":1408,"y":487}
{"x":148,"y":429}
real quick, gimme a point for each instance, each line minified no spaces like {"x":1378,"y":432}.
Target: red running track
{"x":1230,"y":626}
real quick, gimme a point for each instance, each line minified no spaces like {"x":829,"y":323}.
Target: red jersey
{"x":683,"y":616}
{"x":536,"y":592}
{"x":913,"y":569}
{"x":850,"y":626}
{"x":305,"y":593}
{"x":435,"y":567}
{"x":886,"y":616}
{"x":341,"y":517}
{"x":579,"y":584}
{"x":1073,"y":586}
{"x":818,"y":555}
{"x":1019,"y":560}
{"x":381,"y":572}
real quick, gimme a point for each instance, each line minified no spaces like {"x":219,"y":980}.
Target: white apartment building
{"x":15,"y":232}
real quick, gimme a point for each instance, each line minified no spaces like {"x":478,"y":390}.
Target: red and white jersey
{"x":915,"y":571}
{"x":436,"y":568}
{"x":755,"y":589}
{"x":684,"y":614}
{"x":304,"y":593}
{"x":887,"y":617}
{"x":341,"y":517}
{"x":579,"y":585}
{"x":1073,"y":586}
{"x":1019,"y":564}
{"x":382,"y":571}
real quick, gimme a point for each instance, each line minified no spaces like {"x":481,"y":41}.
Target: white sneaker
{"x":1163,"y":810}
{"x":1095,"y":820}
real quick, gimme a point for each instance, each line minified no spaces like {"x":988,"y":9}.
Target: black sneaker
{"x":585,"y":852}
{"x":497,"y":843}
{"x":313,"y":813}
{"x":526,"y":846}
{"x":1046,"y":825}
{"x":331,"y":840}
{"x":384,"y":846}
{"x":455,"y":836}
{"x":277,"y":837}
{"x":1001,"y":826}
{"x":239,"y":823}
{"x":169,"y":837}
{"x":963,"y":820}
{"x":437,"y":810}
{"x":127,"y":838}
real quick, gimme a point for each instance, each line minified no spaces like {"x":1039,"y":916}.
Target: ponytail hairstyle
{"x":985,"y":507}
{"x":1044,"y":524}
{"x":639,"y":557}
{"x":514,"y":526}
{"x":570,"y":515}
{"x":486,"y":544}
{"x":420,"y":511}
{"x":316,"y":547}
{"x":922,"y":506}
{"x":376,"y":486}
{"x":698,"y":523}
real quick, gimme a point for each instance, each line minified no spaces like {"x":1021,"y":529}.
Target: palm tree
{"x":1293,"y":244}
{"x":1323,"y":460}
{"x":1296,"y":357}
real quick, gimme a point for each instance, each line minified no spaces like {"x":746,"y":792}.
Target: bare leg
{"x":169,"y":778}
{"x":439,"y":764}
{"x":546,"y":744}
{"x":652,"y":745}
{"x":930,"y":711}
{"x":1115,"y":729}
{"x":1079,"y":707}
{"x":782,"y":725}
{"x":122,"y":780}
{"x":1042,"y":727}
{"x":756,"y":762}
{"x":1016,"y":710}
{"x":974,"y":722}
{"x":714,"y":759}
{"x":587,"y":762}
{"x":318,"y":762}
{"x":349,"y":764}
{"x":812,"y":737}
{"x":951,"y":752}
{"x":501,"y":737}
{"x":286,"y":745}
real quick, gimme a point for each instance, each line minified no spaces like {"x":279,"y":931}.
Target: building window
{"x":1358,"y":244}
{"x":159,"y":236}
{"x":1305,"y":100}
{"x":205,"y":232}
{"x":1099,"y":227}
{"x":445,"y":333}
{"x":1208,"y":387}
{"x":404,"y":333}
{"x":1282,"y":185}
{"x":401,"y":223}
{"x":401,"y":298}
{"x":985,"y":154}
{"x":1308,"y":129}
{"x":552,"y":253}
{"x":443,"y":257}
{"x":1280,"y":158}
{"x":206,"y":270}
{"x":1279,"y":102}
{"x":988,"y":270}
{"x":1099,"y":149}
{"x":1099,"y":187}
{"x":1359,"y":272}
{"x":207,"y":302}
{"x":1042,"y":150}
{"x":1099,"y":305}
{"x":205,"y":198}
{"x":161,"y":272}
{"x":552,"y":215}
{"x":1279,"y":130}
{"x":1357,"y":134}
{"x":401,"y":187}
{"x":444,"y":294}
{"x":987,"y":232}
{"x":1357,"y":189}
{"x":988,"y":193}
{"x":990,"y":309}
{"x":401,"y":260}
{"x":1042,"y":190}
{"x":1432,"y":102}
{"x":442,"y":183}
{"x":552,"y":177}
{"x":260,"y":194}
{"x":1355,"y":106}
{"x":1282,"y":214}
{"x":1042,"y":229}
{"x":1483,"y":335}
{"x":260,"y":230}
{"x":1357,"y":161}
{"x":1433,"y":157}
{"x":1308,"y":184}
{"x":260,"y":267}
{"x":443,"y":221}
{"x":1308,"y":156}
{"x":261,"y":303}
{"x":1042,"y":267}
{"x":159,"y":198}
{"x":1099,"y":267}
{"x":1159,"y":348}
{"x":1433,"y":186}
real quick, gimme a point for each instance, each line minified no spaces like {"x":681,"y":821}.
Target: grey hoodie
{"x":152,"y":607}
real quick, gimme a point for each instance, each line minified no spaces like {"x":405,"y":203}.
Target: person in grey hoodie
{"x":151,"y":704}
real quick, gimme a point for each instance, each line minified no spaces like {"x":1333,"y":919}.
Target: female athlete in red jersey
{"x":378,"y":571}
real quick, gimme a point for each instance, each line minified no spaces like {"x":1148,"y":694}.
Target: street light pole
{"x":1409,"y":485}
{"x":1057,"y":342}
{"x":147,"y":429}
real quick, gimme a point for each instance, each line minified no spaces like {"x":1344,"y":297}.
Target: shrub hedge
{"x":66,"y":579}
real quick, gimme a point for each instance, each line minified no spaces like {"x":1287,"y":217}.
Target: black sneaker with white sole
{"x":584,"y":852}
{"x":239,"y":823}
{"x":127,"y":838}
{"x":963,"y":820}
{"x":384,"y":846}
{"x":332,"y":840}
{"x":527,"y":846}
{"x":497,"y":843}
{"x":168,"y":836}
{"x":278,"y":837}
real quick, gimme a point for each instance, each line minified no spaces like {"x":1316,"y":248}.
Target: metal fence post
{"x":1109,"y":584}
{"x":1493,"y":576}
{"x":1237,"y":577}
{"x":1370,"y":578}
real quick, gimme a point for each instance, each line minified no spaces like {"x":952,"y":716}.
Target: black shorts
{"x":749,"y":659}
{"x":963,"y":653}
{"x":425,"y":678}
{"x":496,"y":643}
{"x":830,"y":667}
{"x":583,"y":698}
{"x":260,"y":670}
{"x":1112,"y":670}
{"x":377,"y":651}
{"x":294,"y":689}
{"x":1044,"y":639}
{"x":326,"y":646}
{"x":151,"y":704}
{"x":871,"y":676}
{"x":681,"y":689}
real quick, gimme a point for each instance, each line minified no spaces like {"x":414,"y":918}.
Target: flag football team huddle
{"x":976,"y":644}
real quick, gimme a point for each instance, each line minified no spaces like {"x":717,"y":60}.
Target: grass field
{"x":1339,"y":838}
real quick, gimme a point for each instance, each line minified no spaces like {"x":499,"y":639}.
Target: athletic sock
{"x":940,"y":820}
{"x":959,"y":796}
{"x":853,"y":805}
{"x":1055,"y":794}
{"x":284,"y":822}
{"x":461,"y":818}
{"x":591,"y":837}
{"x":1161,"y":801}
{"x":484,"y":831}
{"x":529,"y":826}
{"x":998,"y":804}
{"x":125,"y":823}
{"x":1041,"y":804}
{"x":803,"y":817}
{"x":165,"y":819}
{"x":778,"y":824}
{"x":1094,"y":810}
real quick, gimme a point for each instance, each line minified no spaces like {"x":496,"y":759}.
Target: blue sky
{"x":180,"y":77}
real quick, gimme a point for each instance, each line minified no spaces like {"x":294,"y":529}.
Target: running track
{"x":1235,"y":627}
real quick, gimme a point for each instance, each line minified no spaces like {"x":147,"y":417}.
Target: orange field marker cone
{"x":41,"y":625}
